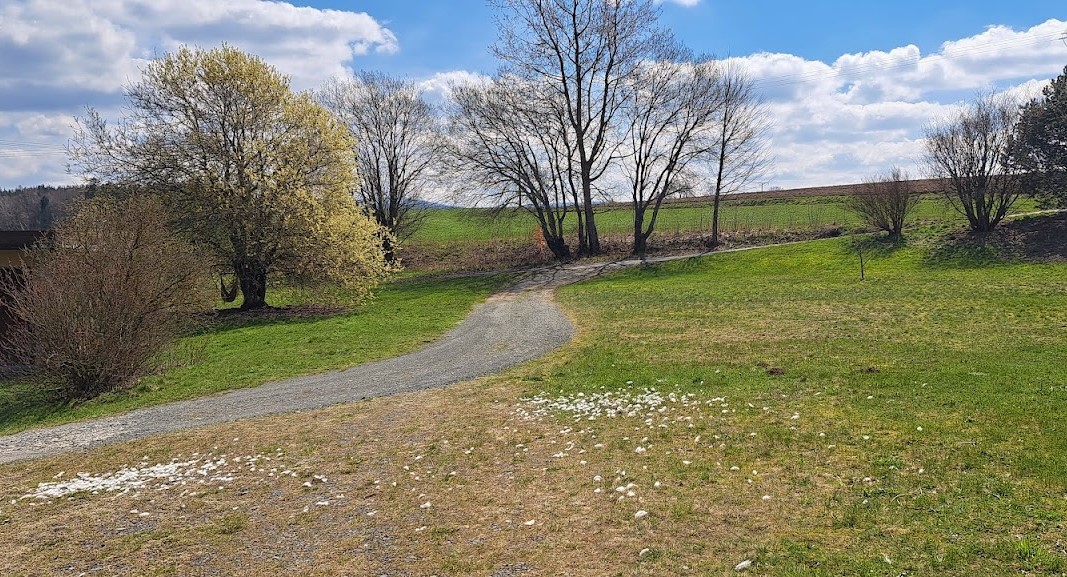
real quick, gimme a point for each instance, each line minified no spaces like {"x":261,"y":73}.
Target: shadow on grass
{"x":963,"y":250}
{"x":1041,"y":238}
{"x":875,"y":246}
{"x":25,"y":399}
{"x":234,"y":318}
{"x":303,"y":307}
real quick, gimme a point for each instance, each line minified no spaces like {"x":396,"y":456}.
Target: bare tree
{"x":397,"y":146}
{"x":501,"y":144}
{"x":35,"y":208}
{"x":972,"y":151}
{"x":740,"y":154}
{"x":670,"y":111}
{"x":18,"y":210}
{"x":885,"y":201}
{"x":583,"y":50}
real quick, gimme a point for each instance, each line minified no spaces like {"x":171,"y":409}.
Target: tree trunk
{"x":558,"y":246}
{"x":640,"y":245}
{"x":253,"y":280}
{"x":389,"y":248}
{"x":715,"y":220}
{"x":640,"y":240}
{"x":592,"y":244}
{"x":718,"y":188}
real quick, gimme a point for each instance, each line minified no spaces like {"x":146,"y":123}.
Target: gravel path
{"x":516,"y":325}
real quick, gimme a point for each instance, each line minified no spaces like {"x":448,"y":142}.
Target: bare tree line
{"x":594,"y":97}
{"x":36,"y":208}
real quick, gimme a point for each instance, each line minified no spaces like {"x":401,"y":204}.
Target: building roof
{"x":19,"y":239}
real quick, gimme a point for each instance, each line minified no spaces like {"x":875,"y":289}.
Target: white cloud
{"x":686,"y":3}
{"x":834,"y":122}
{"x":59,"y":57}
{"x":839,"y":122}
{"x":439,"y":86}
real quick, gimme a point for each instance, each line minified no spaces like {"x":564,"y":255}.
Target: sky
{"x":849,"y":86}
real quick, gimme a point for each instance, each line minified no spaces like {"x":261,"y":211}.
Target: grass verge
{"x":236,"y":351}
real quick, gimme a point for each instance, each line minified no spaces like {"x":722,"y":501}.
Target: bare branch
{"x":583,"y":52}
{"x":671,"y":109}
{"x":972,"y":151}
{"x":503,"y":146}
{"x":397,"y":145}
{"x":740,"y":155}
{"x":885,"y":201}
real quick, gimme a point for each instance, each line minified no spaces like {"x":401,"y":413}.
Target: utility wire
{"x":45,"y":145}
{"x":13,"y":149}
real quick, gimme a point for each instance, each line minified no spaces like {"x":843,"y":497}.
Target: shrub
{"x":884,"y":202}
{"x":108,"y":292}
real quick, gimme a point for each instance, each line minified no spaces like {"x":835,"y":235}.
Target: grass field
{"x":235,"y":352}
{"x":765,"y":407}
{"x":910,"y":423}
{"x":453,"y":240}
{"x":737,"y":215}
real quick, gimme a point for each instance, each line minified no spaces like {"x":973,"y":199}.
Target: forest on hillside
{"x":36,"y":208}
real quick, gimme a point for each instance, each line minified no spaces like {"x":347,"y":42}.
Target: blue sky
{"x":448,"y":35}
{"x":849,"y":85}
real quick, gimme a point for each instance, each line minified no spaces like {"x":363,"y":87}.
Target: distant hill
{"x":920,"y":186}
{"x":429,"y":204}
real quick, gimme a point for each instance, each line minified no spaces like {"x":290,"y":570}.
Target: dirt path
{"x":516,"y":325}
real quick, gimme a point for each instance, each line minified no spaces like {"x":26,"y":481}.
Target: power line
{"x":7,"y":142}
{"x":30,"y":154}
{"x":14,"y":149}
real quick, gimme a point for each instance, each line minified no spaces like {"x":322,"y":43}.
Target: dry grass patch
{"x":464,"y":480}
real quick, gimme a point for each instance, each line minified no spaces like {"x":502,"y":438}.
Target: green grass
{"x":736,"y":215}
{"x":908,"y":424}
{"x":403,"y":316}
{"x":952,"y":367}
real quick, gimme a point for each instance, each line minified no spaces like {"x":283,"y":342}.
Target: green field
{"x":765,"y":407}
{"x":736,"y":215}
{"x":911,"y":423}
{"x":238,"y":353}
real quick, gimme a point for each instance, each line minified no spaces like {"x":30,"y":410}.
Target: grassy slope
{"x":951,"y":367}
{"x":403,"y":316}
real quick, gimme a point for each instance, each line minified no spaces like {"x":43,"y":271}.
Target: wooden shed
{"x":13,"y":244}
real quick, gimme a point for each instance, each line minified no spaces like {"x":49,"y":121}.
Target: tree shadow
{"x":1038,"y":238}
{"x":874,"y":246}
{"x":27,"y":398}
{"x":222,"y":320}
{"x":968,"y":249}
{"x":1041,"y":238}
